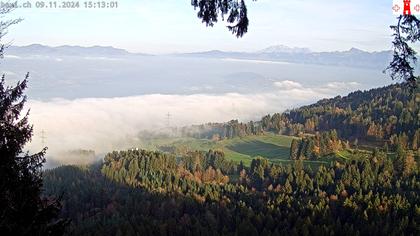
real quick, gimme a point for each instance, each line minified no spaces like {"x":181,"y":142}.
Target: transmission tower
{"x":168,"y":120}
{"x":43,"y":137}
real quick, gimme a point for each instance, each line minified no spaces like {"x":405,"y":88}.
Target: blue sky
{"x":167,"y":26}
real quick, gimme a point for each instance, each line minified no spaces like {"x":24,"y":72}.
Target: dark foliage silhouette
{"x":406,"y":32}
{"x":23,"y":210}
{"x":233,"y":11}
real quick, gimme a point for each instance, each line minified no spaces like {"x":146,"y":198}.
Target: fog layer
{"x":106,"y":124}
{"x":102,"y":103}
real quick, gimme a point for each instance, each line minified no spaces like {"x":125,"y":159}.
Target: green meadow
{"x":275,"y":148}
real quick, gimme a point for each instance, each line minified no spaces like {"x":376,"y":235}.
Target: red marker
{"x":407,"y":7}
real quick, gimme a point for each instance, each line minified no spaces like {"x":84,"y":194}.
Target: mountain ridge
{"x":284,"y":49}
{"x":71,"y":50}
{"x":353,"y":57}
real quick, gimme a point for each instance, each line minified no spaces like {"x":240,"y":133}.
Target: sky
{"x":169,"y":26}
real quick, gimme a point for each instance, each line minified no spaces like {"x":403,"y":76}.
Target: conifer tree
{"x":23,"y":209}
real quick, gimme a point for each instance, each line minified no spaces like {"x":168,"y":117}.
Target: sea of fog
{"x":102,"y":103}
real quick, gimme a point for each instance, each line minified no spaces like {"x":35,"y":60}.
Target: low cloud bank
{"x":106,"y":124}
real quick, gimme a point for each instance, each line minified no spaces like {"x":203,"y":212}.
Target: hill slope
{"x":139,"y":192}
{"x":388,"y":115}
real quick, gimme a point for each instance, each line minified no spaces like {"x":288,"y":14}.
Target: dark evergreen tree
{"x":406,"y":32}
{"x":234,"y":11}
{"x":23,"y":211}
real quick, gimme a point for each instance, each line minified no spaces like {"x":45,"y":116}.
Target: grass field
{"x":275,"y":148}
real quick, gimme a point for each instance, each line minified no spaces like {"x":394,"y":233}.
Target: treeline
{"x":146,"y":169}
{"x":384,"y":115}
{"x":316,"y":146}
{"x":220,"y":131}
{"x":150,"y":193}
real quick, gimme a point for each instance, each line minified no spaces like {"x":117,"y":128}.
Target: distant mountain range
{"x":351,"y":58}
{"x":284,"y":49}
{"x":38,"y":49}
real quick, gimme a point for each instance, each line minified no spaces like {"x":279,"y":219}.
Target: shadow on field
{"x":258,"y":148}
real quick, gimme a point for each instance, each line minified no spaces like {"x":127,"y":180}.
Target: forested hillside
{"x":139,"y":192}
{"x":150,"y":193}
{"x":388,"y":115}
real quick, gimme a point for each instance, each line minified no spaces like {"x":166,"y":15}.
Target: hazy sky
{"x":165,"y":26}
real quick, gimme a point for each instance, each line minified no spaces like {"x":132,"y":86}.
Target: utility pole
{"x":168,"y":119}
{"x":43,"y":137}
